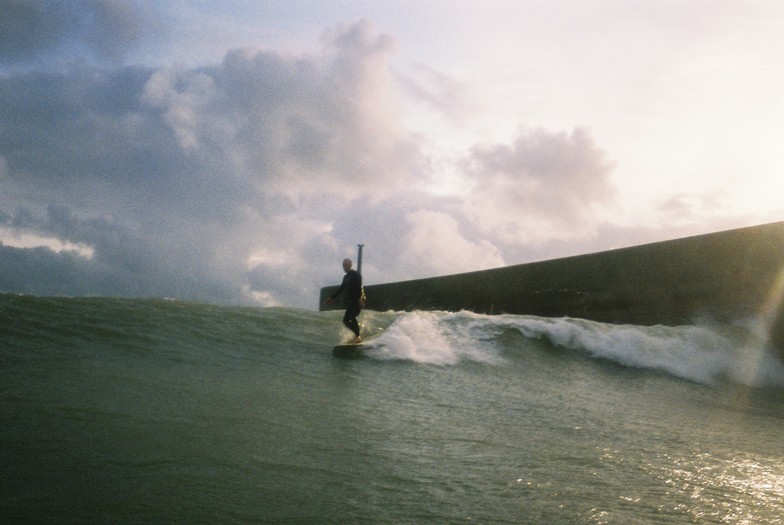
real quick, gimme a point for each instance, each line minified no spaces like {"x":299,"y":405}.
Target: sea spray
{"x":706,"y":354}
{"x":437,"y":338}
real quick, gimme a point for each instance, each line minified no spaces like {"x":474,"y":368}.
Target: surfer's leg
{"x":350,"y":319}
{"x":351,"y":323}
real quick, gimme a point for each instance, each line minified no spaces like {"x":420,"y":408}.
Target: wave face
{"x":165,"y":411}
{"x":703,"y":354}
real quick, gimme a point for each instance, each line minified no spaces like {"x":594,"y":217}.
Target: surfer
{"x":352,"y":285}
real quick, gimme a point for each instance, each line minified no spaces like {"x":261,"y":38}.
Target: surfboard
{"x":347,"y":350}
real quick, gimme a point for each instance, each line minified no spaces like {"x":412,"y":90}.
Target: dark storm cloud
{"x":44,"y":272}
{"x":177,"y":178}
{"x":33,"y":30}
{"x":236,"y":182}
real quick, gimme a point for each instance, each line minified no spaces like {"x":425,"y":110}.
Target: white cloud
{"x":434,"y":245}
{"x":17,"y":239}
{"x":544,"y":185}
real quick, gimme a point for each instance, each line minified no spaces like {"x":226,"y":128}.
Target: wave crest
{"x":706,"y":354}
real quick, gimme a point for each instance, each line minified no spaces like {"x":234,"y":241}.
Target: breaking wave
{"x":703,"y":354}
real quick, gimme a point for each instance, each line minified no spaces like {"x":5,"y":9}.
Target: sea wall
{"x":715,"y":277}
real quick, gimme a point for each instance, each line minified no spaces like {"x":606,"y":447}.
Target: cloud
{"x":434,"y":245}
{"x":178,"y":178}
{"x":303,"y":125}
{"x":543,"y":185}
{"x":446,"y":94}
{"x":685,"y":208}
{"x":245,"y":180}
{"x":32,"y":30}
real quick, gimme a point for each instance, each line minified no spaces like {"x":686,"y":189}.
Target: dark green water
{"x":131,"y":411}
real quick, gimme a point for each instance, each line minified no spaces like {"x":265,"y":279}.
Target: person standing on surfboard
{"x":352,"y":285}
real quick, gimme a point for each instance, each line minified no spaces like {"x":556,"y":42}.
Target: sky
{"x":235,"y":151}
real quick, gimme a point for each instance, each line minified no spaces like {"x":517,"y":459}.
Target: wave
{"x":197,"y":333}
{"x":437,"y":338}
{"x":706,"y":354}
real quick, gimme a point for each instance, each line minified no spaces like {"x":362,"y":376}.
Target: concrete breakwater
{"x":720,"y":277}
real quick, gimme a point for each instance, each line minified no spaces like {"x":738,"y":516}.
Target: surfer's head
{"x":346,"y":265}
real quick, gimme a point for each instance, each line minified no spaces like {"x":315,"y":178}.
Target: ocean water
{"x":157,"y":411}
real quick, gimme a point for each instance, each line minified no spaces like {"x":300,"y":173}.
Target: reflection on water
{"x":745,"y":489}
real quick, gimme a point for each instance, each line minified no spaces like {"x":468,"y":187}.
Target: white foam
{"x":435,"y":338}
{"x":704,"y":354}
{"x":699,"y":353}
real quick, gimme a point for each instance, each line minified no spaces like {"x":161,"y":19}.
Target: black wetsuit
{"x":352,"y":285}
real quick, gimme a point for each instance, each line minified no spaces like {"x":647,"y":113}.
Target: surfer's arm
{"x":337,"y":292}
